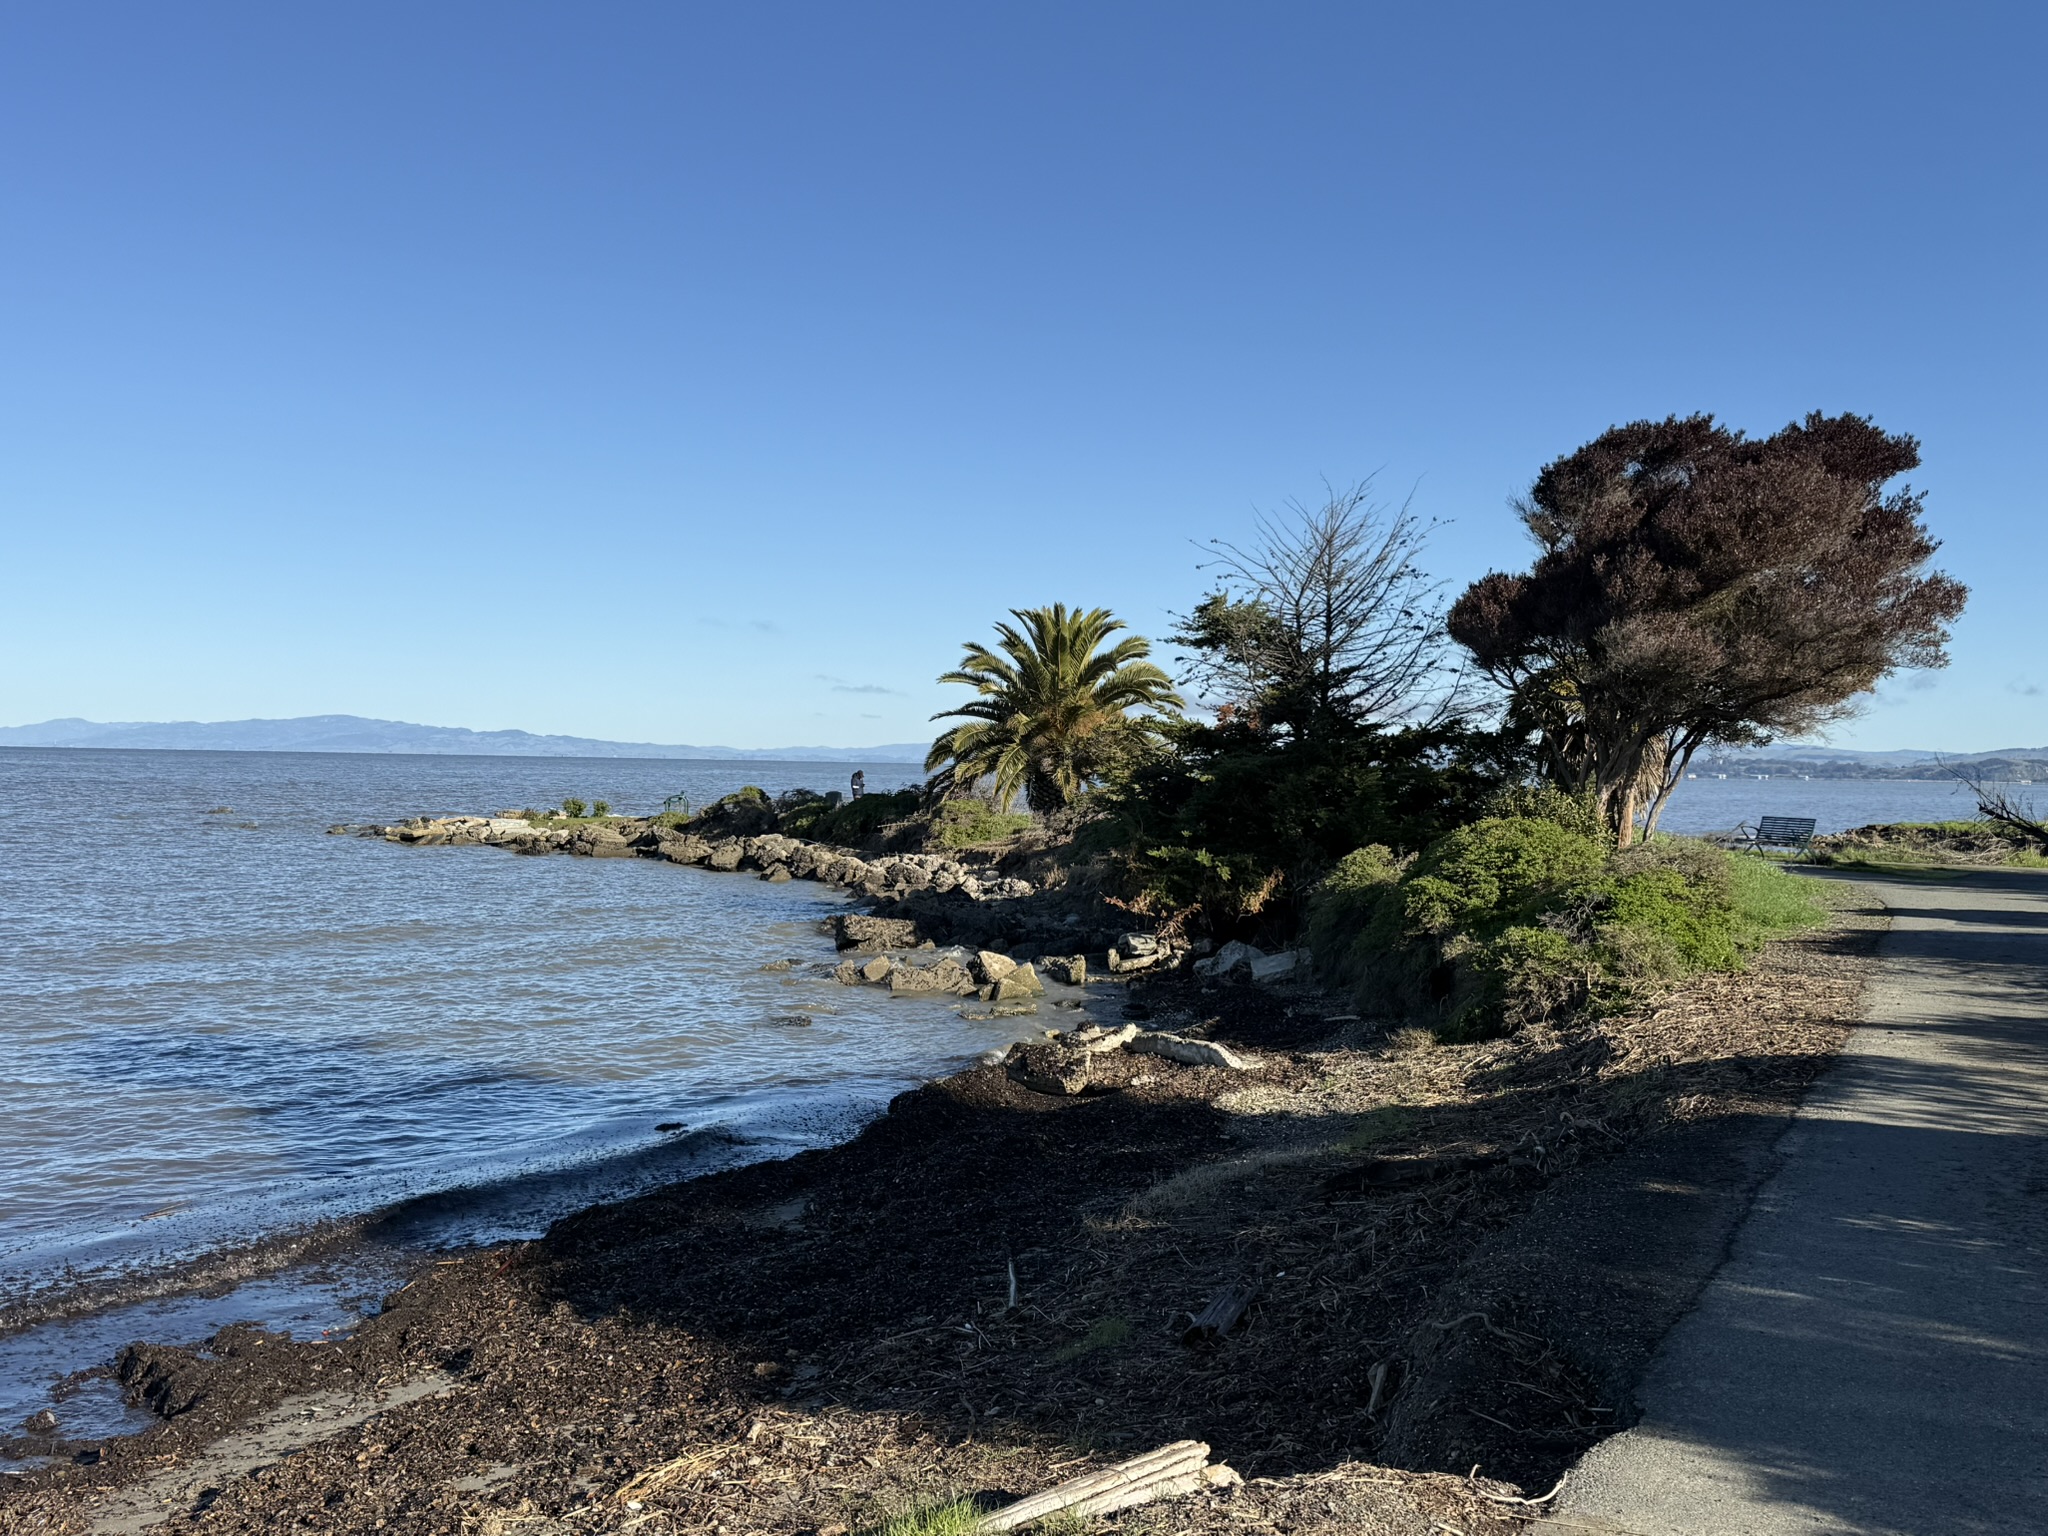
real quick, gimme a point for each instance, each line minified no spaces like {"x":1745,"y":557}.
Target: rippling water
{"x":221,"y":1022}
{"x":1713,"y":804}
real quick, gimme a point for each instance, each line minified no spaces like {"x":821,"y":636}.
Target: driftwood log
{"x":1195,"y":1053}
{"x":1181,"y":1467}
{"x":1220,"y":1316}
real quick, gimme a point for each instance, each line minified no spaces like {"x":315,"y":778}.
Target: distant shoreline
{"x":534,"y":757}
{"x":359,"y":734}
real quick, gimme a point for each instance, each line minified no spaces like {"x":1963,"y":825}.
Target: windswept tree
{"x":1056,"y":710}
{"x":1695,"y":585}
{"x":1323,"y":623}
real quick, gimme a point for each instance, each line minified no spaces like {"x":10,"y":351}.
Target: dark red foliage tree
{"x":1695,"y":585}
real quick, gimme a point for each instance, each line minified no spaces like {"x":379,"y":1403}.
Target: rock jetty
{"x":916,"y":902}
{"x":768,"y":856}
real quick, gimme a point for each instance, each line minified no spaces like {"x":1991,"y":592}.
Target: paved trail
{"x":1873,"y":1357}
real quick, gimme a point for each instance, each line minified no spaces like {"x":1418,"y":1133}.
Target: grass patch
{"x":971,"y":823}
{"x":1110,"y":1333}
{"x":1770,"y":903}
{"x":956,"y":1517}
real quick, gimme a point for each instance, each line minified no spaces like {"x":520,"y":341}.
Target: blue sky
{"x":709,"y":374}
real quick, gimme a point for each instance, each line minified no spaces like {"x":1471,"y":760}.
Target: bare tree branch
{"x":2011,"y":814}
{"x":1326,"y":617}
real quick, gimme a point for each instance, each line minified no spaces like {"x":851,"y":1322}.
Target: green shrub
{"x":970,"y":823}
{"x":1500,"y":871}
{"x":1683,"y":906}
{"x":800,"y":809}
{"x":1349,"y":911}
{"x":1546,"y":802}
{"x":572,"y":808}
{"x":1244,"y":824}
{"x":600,"y":807}
{"x":853,"y":822}
{"x":1522,"y":974}
{"x":1695,"y":922}
{"x":1520,"y":917}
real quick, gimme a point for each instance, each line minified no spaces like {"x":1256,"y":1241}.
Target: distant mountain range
{"x":353,"y":733}
{"x":1842,"y":763}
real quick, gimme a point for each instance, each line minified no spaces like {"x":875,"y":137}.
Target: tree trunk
{"x":1674,"y":770}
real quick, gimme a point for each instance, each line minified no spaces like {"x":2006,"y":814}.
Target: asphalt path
{"x":1873,"y":1354}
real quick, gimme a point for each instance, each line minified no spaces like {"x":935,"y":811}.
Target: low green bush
{"x":1528,"y":913}
{"x":852,"y":822}
{"x":600,"y":807}
{"x":1499,"y":871}
{"x":971,"y":823}
{"x":1348,"y":916}
{"x":801,"y":809}
{"x":573,"y":809}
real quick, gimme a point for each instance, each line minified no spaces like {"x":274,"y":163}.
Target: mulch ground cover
{"x":1459,"y":1258}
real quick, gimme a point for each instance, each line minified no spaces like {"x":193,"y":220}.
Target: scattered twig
{"x":1508,"y":1498}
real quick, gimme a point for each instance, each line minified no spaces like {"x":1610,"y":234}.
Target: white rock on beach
{"x":1227,"y":958}
{"x":1281,"y":966}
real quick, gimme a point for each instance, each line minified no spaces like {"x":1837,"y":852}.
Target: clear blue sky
{"x":710,"y":373}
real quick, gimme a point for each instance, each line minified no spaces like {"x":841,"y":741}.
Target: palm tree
{"x":1054,"y":707}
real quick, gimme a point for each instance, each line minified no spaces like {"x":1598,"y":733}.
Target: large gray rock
{"x":1228,"y":959}
{"x":870,"y":934}
{"x":1050,"y":1069}
{"x":1069,"y":970}
{"x":844,"y":869}
{"x":993,"y":966}
{"x":726,"y":855}
{"x":1021,"y":983}
{"x":1097,"y":1041}
{"x":1281,"y":967}
{"x":603,"y":843}
{"x":1139,"y":952}
{"x":948,"y":976}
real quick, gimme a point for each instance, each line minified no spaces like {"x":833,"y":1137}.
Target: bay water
{"x":231,"y":1039}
